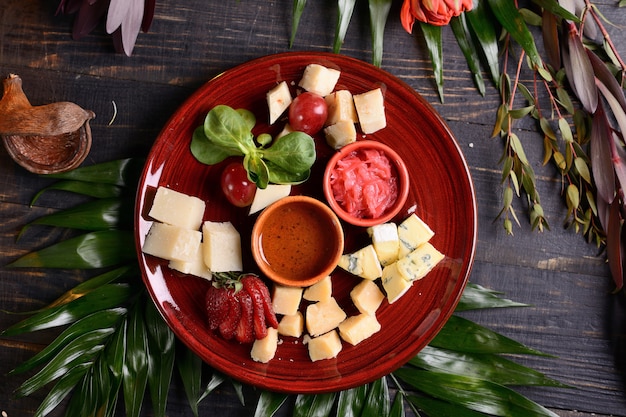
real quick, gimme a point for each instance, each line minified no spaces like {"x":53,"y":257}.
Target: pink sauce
{"x":365,"y":183}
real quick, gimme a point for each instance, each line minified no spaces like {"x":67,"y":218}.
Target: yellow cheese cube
{"x":172,"y":242}
{"x":355,"y":329}
{"x":221,"y":246}
{"x":370,"y":108}
{"x":326,"y":346}
{"x":178,"y":209}
{"x":286,"y":300}
{"x":420,"y":262}
{"x":323,"y":316}
{"x":340,"y":134}
{"x":367,"y":297}
{"x":393,"y":283}
{"x":278,"y":100}
{"x":291,"y":325}
{"x":386,"y":242}
{"x":340,"y":107}
{"x":322,"y":290}
{"x":196,"y":267}
{"x":264,"y":350}
{"x":319,"y":79}
{"x":363,"y":263}
{"x":412,"y":232}
{"x":263,"y":197}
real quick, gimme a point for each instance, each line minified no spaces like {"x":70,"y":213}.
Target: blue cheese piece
{"x":412,"y":232}
{"x":172,"y":243}
{"x":323,"y":316}
{"x":278,"y":100}
{"x":326,"y":346}
{"x":370,"y":108}
{"x":319,"y":79}
{"x":356,"y":329}
{"x":386,"y":242}
{"x":394,"y":284}
{"x":176,"y":208}
{"x":363,"y":263}
{"x":221,"y":247}
{"x":420,"y":262}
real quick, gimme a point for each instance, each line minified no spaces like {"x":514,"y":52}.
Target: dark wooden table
{"x":573,"y":315}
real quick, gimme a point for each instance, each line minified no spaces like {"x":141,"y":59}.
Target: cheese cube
{"x":356,"y":329}
{"x":363,"y":263}
{"x":172,"y":242}
{"x":178,"y":209}
{"x":264,"y":350}
{"x":370,"y":109}
{"x":394,"y":284}
{"x":291,"y":325}
{"x":326,"y":346}
{"x":323,"y":316}
{"x":367,"y":297}
{"x":412,"y":232}
{"x":340,"y":134}
{"x":386,"y":242}
{"x":420,"y":262}
{"x":221,"y":247}
{"x":196,"y":267}
{"x":278,"y":100}
{"x":286,"y":300}
{"x":263,"y":197}
{"x":319,"y":79}
{"x":322,"y":290}
{"x":340,"y":107}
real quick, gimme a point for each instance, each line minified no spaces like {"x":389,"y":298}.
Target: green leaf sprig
{"x":228,"y":132}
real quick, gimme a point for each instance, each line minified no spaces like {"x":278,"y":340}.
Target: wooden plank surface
{"x":573,"y":315}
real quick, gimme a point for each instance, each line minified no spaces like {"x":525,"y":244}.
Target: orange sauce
{"x":297,"y":241}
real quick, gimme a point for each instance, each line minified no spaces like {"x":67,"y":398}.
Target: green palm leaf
{"x":438,"y":408}
{"x":344,"y":9}
{"x":314,"y":405}
{"x":377,"y":400}
{"x":64,"y":386}
{"x":484,"y":33}
{"x":161,"y":358}
{"x":477,"y":297}
{"x":135,"y":370}
{"x":461,"y":32}
{"x":97,"y":190}
{"x":379,"y":10}
{"x":434,"y":43}
{"x":269,"y":403}
{"x":121,"y":172}
{"x":351,"y":401}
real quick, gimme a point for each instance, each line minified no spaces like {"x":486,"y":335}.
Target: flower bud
{"x":434,"y":12}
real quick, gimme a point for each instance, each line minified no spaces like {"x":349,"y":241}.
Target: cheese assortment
{"x":345,"y":110}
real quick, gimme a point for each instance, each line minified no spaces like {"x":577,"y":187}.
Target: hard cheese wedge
{"x":326,"y":346}
{"x":178,"y":209}
{"x":172,"y":242}
{"x":222,"y":247}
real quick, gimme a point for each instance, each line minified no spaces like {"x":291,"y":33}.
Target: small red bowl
{"x":297,"y":241}
{"x":399,"y":169}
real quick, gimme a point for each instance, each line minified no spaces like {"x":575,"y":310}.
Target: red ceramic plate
{"x":441,"y":193}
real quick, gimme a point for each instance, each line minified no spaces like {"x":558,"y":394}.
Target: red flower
{"x":435,"y":12}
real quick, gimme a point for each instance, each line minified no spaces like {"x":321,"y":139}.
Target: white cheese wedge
{"x":412,"y":232}
{"x":323,"y":347}
{"x":319,"y":291}
{"x":221,"y":247}
{"x":394,"y":284}
{"x":340,"y":107}
{"x":319,"y":79}
{"x":264,"y":350}
{"x":291,"y":325}
{"x":176,"y":208}
{"x":356,"y":329}
{"x":196,"y":267}
{"x":367,"y":297}
{"x":287,"y":129}
{"x":340,"y":134}
{"x":286,"y":300}
{"x":420,"y":262}
{"x":370,"y":108}
{"x":363,"y":263}
{"x":386,"y":242}
{"x":172,"y":242}
{"x":266,"y":196}
{"x":278,"y":100}
{"x":323,"y":316}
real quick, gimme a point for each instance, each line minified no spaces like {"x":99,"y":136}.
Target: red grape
{"x":307,"y":113}
{"x":236,"y":186}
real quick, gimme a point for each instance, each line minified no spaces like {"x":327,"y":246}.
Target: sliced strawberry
{"x":244,"y":333}
{"x":216,"y":306}
{"x":270,"y":316}
{"x":228,"y":326}
{"x":260,"y":327}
